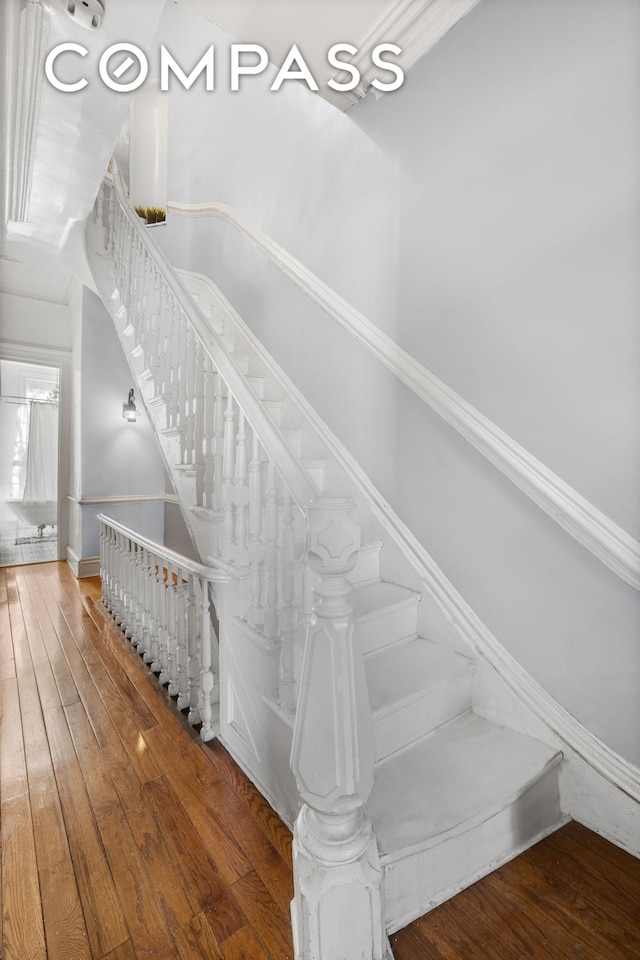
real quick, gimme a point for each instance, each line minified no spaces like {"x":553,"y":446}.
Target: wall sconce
{"x":129,"y":412}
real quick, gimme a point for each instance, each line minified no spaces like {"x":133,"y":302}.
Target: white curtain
{"x":41,"y":471}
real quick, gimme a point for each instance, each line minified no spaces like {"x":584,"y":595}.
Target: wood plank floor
{"x":124,"y":838}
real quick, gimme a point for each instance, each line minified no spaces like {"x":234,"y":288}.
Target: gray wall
{"x":486,"y":216}
{"x":114,"y":458}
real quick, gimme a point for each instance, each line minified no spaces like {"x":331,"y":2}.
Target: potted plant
{"x":151,"y":215}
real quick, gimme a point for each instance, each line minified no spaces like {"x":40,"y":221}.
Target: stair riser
{"x":387,"y":627}
{"x":367,"y":569}
{"x":419,"y":882}
{"x":412,"y":721}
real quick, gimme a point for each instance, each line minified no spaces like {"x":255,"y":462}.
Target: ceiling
{"x":27,"y":273}
{"x":314,"y":26}
{"x":55,"y":147}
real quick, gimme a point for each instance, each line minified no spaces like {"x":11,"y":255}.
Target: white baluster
{"x":208,"y":682}
{"x":155,"y":572}
{"x":288,"y":611}
{"x":189,"y":398}
{"x":218,"y":448}
{"x":163,"y":627}
{"x":129,"y":589}
{"x":172,"y":628}
{"x":182,"y":635}
{"x":109,"y":571}
{"x":182,"y":386}
{"x":194,"y":636}
{"x":271,"y":552}
{"x":175,"y":368}
{"x":199,"y":425}
{"x":118,"y":582}
{"x":241,"y":493}
{"x":138,"y":319}
{"x":103,"y":564}
{"x":255,"y":613}
{"x":127,"y":268}
{"x":228,"y":477}
{"x":154,"y":318}
{"x":209,"y":432}
{"x":138,"y":634}
{"x":147,"y":652}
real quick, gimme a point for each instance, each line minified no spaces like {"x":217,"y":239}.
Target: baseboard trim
{"x":83,"y":567}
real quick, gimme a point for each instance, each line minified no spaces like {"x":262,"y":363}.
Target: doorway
{"x":29,"y":401}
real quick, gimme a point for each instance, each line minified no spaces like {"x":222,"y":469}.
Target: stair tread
{"x":407,"y":670}
{"x":370,"y":598}
{"x":463,"y":773}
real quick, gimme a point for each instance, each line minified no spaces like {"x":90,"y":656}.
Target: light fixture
{"x":129,"y":412}
{"x":86,"y":13}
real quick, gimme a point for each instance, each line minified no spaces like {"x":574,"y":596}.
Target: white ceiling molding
{"x":9,"y":47}
{"x":415,"y":26}
{"x":25,"y":26}
{"x":63,"y":300}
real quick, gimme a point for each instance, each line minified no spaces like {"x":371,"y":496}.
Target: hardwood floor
{"x":573,"y":896}
{"x":124,"y":838}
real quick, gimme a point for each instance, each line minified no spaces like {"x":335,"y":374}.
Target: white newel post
{"x":337,"y":910}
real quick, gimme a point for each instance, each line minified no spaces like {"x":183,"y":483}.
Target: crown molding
{"x":415,"y":26}
{"x":25,"y":26}
{"x":62,"y":301}
{"x":20,"y":351}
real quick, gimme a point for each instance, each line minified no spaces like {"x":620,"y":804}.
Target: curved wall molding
{"x":604,"y":799}
{"x":607,"y":541}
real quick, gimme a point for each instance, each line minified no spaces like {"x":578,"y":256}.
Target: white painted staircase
{"x":453,"y":794}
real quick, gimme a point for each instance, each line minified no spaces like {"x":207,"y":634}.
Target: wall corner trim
{"x":83,"y":566}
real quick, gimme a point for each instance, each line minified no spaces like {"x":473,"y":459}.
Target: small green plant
{"x":151,"y":214}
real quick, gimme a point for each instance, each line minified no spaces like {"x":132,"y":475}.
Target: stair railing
{"x":162,"y":603}
{"x":267,"y":517}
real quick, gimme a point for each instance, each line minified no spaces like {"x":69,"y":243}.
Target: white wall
{"x":486,"y":216}
{"x":115,"y":459}
{"x":519,"y":138}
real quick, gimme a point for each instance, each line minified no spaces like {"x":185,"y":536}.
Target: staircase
{"x":375,"y":709}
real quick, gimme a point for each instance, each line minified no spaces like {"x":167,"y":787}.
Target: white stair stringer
{"x":500,"y":790}
{"x":421,"y":696}
{"x":454,"y":795}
